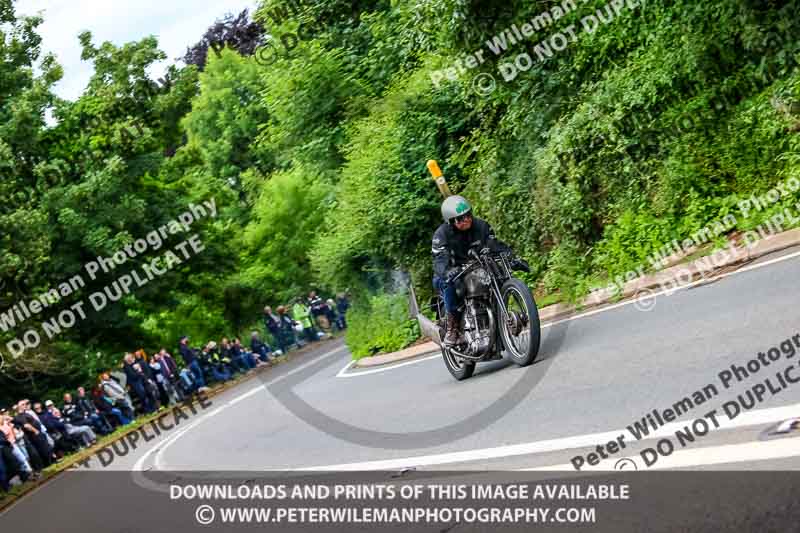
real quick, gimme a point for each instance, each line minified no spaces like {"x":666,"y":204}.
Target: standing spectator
{"x":168,"y":366}
{"x":10,"y":467}
{"x":342,"y":305}
{"x":272,"y":323}
{"x":141,"y":357}
{"x":259,"y":348}
{"x":164,"y":378}
{"x":8,"y":432}
{"x":287,"y":327}
{"x":302,"y":314}
{"x":117,"y":396}
{"x":318,"y":311}
{"x":190,"y":360}
{"x":332,"y":314}
{"x":135,"y":379}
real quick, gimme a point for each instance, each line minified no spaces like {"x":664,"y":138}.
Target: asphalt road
{"x":598,"y":372}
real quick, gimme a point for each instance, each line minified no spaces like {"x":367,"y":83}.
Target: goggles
{"x":462,"y":218}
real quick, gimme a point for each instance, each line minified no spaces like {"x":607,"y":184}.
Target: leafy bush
{"x":380,"y":324}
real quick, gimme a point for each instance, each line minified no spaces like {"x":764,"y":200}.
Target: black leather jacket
{"x":451,"y":246}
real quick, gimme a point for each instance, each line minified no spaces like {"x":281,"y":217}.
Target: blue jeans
{"x":16,"y":451}
{"x":220,"y":373}
{"x":448,"y":292}
{"x":3,"y":480}
{"x":197,"y":372}
{"x":263,"y":353}
{"x":123,"y":420}
{"x":141,"y":392}
{"x":99,"y":424}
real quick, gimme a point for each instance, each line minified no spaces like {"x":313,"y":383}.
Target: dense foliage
{"x":635,"y":134}
{"x":380,"y":324}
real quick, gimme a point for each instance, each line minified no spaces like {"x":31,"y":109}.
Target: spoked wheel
{"x":458,"y":367}
{"x":520,"y":327}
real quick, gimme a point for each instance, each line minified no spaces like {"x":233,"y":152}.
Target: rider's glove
{"x":520,"y":264}
{"x":450,"y":275}
{"x":485,"y":251}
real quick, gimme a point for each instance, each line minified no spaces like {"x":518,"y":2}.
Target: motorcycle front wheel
{"x":519,"y":327}
{"x":459,"y":368}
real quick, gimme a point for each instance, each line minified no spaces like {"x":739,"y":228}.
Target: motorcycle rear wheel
{"x":520,"y":328}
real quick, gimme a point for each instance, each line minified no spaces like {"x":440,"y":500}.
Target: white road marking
{"x":343,"y":372}
{"x":705,"y":456}
{"x":751,"y":418}
{"x":158,"y":460}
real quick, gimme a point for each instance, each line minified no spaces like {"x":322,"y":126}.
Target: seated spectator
{"x":215,"y":363}
{"x":252,"y":359}
{"x":30,"y":412}
{"x":75,"y":414}
{"x":136,"y":382}
{"x":105,"y":408}
{"x":116,"y":396}
{"x":34,"y":432}
{"x":96,"y":417}
{"x":226,"y":354}
{"x":243,"y":361}
{"x":190,"y":360}
{"x":260,"y":349}
{"x":83,"y":433}
{"x":64,"y":443}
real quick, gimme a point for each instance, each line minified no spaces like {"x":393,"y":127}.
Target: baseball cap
{"x":48,"y":403}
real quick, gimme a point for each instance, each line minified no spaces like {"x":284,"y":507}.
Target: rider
{"x":451,"y":244}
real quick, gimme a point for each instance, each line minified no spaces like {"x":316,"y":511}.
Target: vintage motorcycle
{"x":498,"y":314}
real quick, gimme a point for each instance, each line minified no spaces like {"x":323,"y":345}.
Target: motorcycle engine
{"x":477,"y":324}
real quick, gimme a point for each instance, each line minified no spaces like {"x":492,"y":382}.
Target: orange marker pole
{"x":441,"y":183}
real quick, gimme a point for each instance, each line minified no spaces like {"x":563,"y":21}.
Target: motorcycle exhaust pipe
{"x":428,"y":327}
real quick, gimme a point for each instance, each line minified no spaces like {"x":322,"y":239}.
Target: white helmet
{"x":455,"y":206}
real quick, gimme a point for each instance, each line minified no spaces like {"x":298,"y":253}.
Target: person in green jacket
{"x":301,"y":313}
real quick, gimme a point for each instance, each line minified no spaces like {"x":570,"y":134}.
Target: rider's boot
{"x":453,"y":335}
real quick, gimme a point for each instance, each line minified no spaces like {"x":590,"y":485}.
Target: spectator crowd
{"x":35,"y":435}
